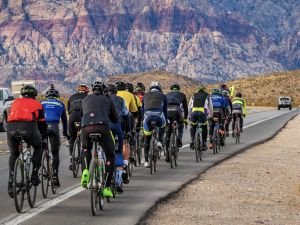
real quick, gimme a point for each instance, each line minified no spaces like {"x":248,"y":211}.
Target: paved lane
{"x":144,"y":190}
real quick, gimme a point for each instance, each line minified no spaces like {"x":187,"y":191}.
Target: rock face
{"x":80,"y":40}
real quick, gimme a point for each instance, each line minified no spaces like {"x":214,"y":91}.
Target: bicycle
{"x":237,"y":129}
{"x":216,"y":136}
{"x":97,"y":175}
{"x":154,"y":152}
{"x":76,"y":153}
{"x":138,"y":147}
{"x":173,"y":152}
{"x":198,"y":143}
{"x":21,"y":178}
{"x":46,"y":169}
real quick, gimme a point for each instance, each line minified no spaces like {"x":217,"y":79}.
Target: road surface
{"x":72,"y":204}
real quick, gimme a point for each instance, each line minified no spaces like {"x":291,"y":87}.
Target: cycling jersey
{"x":54,"y":110}
{"x":155,"y":100}
{"x":26,"y":109}
{"x":239,"y":103}
{"x":178,"y":98}
{"x":201,"y":102}
{"x":120,"y":105}
{"x":140,"y":95}
{"x":75,"y":101}
{"x":129,"y":100}
{"x":98,"y":109}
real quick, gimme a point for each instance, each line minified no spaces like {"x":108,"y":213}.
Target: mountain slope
{"x":82,"y":40}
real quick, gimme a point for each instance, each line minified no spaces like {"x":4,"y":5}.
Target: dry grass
{"x":264,"y":90}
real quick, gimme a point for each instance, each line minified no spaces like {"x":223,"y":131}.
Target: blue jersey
{"x":219,"y":101}
{"x":54,"y":110}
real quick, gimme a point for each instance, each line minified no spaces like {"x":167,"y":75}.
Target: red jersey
{"x":26,"y":109}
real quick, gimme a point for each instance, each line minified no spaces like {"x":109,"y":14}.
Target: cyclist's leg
{"x":161,"y":123}
{"x":33,"y":137}
{"x":13,"y":144}
{"x":72,"y":130}
{"x":179,"y":119}
{"x":147,"y":137}
{"x":107,"y":143}
{"x":241,"y":121}
{"x":211,"y":131}
{"x":54,"y":140}
{"x":87,"y":146}
{"x":203,"y":119}
{"x":194,"y":122}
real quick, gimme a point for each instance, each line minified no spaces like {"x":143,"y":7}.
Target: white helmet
{"x":155,"y":85}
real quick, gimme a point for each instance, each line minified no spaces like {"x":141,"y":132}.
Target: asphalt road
{"x":72,"y":204}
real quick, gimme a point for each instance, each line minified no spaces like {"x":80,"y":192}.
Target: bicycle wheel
{"x":200,"y":148}
{"x":237,"y":129}
{"x":196,"y":146}
{"x":31,"y":189}
{"x":45,"y":174}
{"x":139,"y":148}
{"x":76,"y":157}
{"x":151,"y":156}
{"x":97,"y":200}
{"x":18,"y":185}
{"x":171,"y":151}
{"x":215,"y":141}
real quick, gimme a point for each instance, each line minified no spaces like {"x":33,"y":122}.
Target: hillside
{"x":264,"y":90}
{"x":72,"y":41}
{"x":261,"y":90}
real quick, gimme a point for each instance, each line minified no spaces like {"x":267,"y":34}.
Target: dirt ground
{"x":259,"y":186}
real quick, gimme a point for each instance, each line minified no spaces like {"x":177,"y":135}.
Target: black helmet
{"x":112,"y":88}
{"x":52,"y":93}
{"x":140,"y":87}
{"x":175,"y":87}
{"x":98,"y":86}
{"x":239,"y":95}
{"x":121,"y":86}
{"x":130,"y":87}
{"x":155,"y":85}
{"x":29,"y":91}
{"x":216,"y":91}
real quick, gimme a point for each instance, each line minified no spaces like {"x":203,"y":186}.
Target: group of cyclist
{"x":115,"y":110}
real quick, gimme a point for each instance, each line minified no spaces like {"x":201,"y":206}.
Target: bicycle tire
{"x":45,"y":174}
{"x":130,"y":168}
{"x":30,"y":189}
{"x":97,"y":200}
{"x":196,"y":146}
{"x":171,"y":150}
{"x":151,"y":155}
{"x":215,"y":141}
{"x":18,"y":185}
{"x":76,"y":157}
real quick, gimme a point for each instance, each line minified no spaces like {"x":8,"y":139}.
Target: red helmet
{"x":83,"y":88}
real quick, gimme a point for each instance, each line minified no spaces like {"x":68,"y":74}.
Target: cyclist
{"x":98,"y":111}
{"x":133,"y":124}
{"x":226,"y":92}
{"x":220,"y":111}
{"x":74,"y":109}
{"x":200,"y":109}
{"x":133,"y":110}
{"x":154,"y":109}
{"x":177,"y":104}
{"x":54,"y":112}
{"x":116,"y":128}
{"x":239,"y":110}
{"x":140,"y":90}
{"x":26,"y":119}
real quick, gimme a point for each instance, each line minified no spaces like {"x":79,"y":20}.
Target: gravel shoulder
{"x":259,"y":186}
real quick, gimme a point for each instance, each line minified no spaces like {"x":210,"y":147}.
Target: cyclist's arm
{"x":113,"y":116}
{"x":41,"y":121}
{"x":165,"y":107}
{"x":64,"y":121}
{"x":132,"y":106}
{"x":244,"y":107}
{"x":124,"y":109}
{"x":209,"y":106}
{"x":185,"y":107}
{"x":191,"y":102}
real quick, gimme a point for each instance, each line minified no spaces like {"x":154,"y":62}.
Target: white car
{"x":284,"y":102}
{"x":6,"y":99}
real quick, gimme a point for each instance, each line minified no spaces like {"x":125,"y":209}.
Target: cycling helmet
{"x":121,"y":86}
{"x":225,"y":93}
{"x":216,"y":91}
{"x":201,"y":88}
{"x":140,"y":87}
{"x":112,"y":88}
{"x":155,"y":85}
{"x":175,"y":87}
{"x":52,"y":93}
{"x":130,"y":87}
{"x":82,"y":88}
{"x":29,"y":91}
{"x":98,"y":86}
{"x":239,"y":95}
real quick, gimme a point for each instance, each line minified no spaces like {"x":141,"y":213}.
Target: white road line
{"x":33,"y":212}
{"x":252,"y":124}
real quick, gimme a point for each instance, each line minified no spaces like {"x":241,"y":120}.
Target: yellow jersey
{"x":130,"y":101}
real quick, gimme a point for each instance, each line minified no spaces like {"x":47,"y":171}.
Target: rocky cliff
{"x":70,"y":41}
